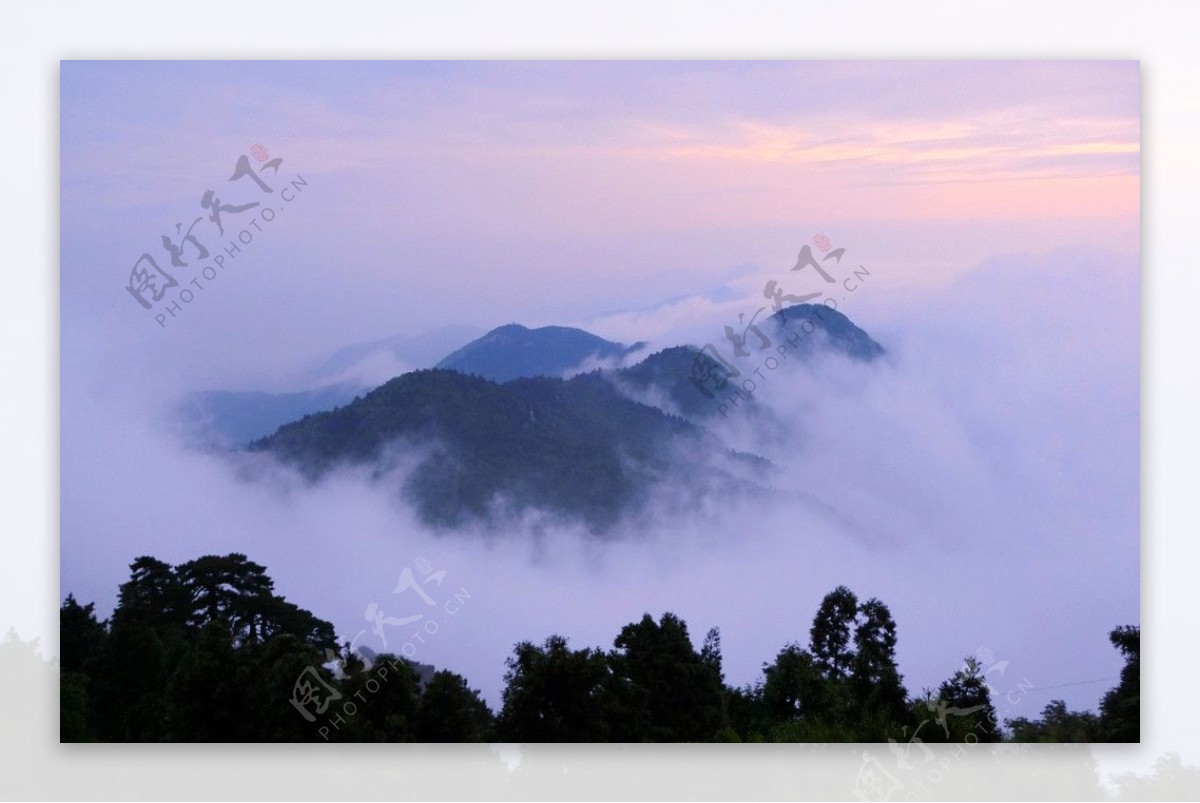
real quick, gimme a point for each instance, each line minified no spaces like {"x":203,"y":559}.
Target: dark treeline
{"x":206,"y":651}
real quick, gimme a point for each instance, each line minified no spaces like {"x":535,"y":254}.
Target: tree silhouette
{"x":1120,"y":710}
{"x":450,"y":711}
{"x":207,"y":651}
{"x":1056,"y":725}
{"x":81,"y":638}
{"x":184,"y":648}
{"x":831,"y":631}
{"x":962,"y":709}
{"x":554,"y":694}
{"x":879,"y":697}
{"x":669,"y":692}
{"x":794,"y":686}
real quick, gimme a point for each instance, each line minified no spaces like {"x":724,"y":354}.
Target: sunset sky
{"x":557,"y":192}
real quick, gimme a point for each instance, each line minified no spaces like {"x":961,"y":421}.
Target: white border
{"x":35,"y":37}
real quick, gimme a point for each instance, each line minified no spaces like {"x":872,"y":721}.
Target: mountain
{"x":668,"y":374}
{"x":582,"y":449}
{"x":411,"y":351}
{"x":233,"y":418}
{"x":837,"y":332}
{"x":514,"y":351}
{"x":576,"y":449}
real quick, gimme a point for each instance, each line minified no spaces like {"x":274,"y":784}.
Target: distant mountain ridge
{"x":574,"y":448}
{"x":229,"y":418}
{"x":413,"y":351}
{"x":233,"y":418}
{"x":670,"y":372}
{"x":580,"y":449}
{"x":514,"y":351}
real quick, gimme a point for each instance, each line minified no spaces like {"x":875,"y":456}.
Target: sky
{"x":543,"y":192}
{"x":984,"y":477}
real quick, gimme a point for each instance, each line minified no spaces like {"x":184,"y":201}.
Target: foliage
{"x":831,"y":632}
{"x":962,"y":707}
{"x":451,"y":711}
{"x":207,"y":652}
{"x":1120,"y":710}
{"x":1056,"y":725}
{"x":555,"y":694}
{"x":576,"y":449}
{"x":203,"y":651}
{"x":667,"y":691}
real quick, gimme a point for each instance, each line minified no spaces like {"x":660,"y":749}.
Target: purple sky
{"x":547,"y":192}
